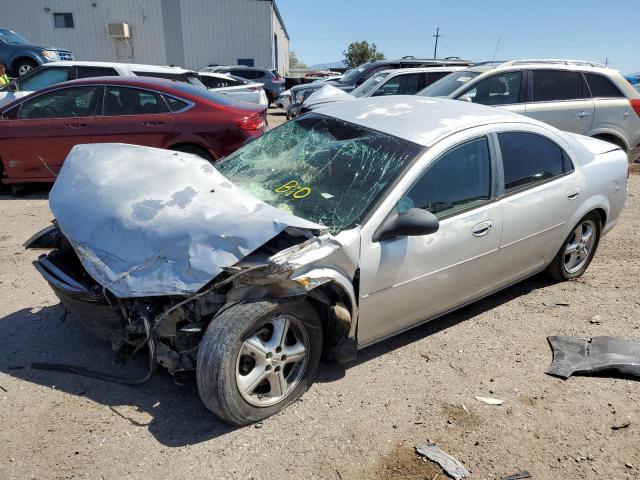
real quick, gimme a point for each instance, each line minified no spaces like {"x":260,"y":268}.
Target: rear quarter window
{"x":550,"y":85}
{"x":602,"y":87}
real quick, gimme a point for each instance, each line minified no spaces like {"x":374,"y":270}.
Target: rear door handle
{"x":573,"y":193}
{"x":152,"y":123}
{"x":75,"y":125}
{"x":482,"y":228}
{"x":582,"y":114}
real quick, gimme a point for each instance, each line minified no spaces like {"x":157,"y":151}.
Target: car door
{"x":504,"y":89}
{"x":561,"y":99}
{"x":407,"y":280}
{"x":540,"y":189}
{"x":35,"y":143}
{"x":133,"y":115}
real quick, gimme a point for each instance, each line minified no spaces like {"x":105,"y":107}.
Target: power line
{"x":435,"y":48}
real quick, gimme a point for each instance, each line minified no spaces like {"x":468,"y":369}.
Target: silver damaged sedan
{"x":327,"y":234}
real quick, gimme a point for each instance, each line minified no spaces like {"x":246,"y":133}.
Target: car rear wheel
{"x":257,"y":358}
{"x":24,"y":66}
{"x":578,"y":249}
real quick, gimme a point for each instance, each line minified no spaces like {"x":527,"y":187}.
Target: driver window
{"x":44,"y":78}
{"x":66,"y":102}
{"x":460,"y":179}
{"x":501,"y":89}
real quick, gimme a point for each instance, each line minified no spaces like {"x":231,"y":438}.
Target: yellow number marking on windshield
{"x":293,"y":188}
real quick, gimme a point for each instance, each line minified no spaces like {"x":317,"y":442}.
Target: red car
{"x":37,"y":132}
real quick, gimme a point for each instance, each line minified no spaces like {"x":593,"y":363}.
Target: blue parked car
{"x":20,"y":56}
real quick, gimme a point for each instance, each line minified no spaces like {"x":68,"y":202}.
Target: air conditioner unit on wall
{"x":118,"y":30}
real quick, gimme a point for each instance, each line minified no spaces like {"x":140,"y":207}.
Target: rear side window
{"x":602,"y":87}
{"x":433,"y":77}
{"x":550,"y":85}
{"x":248,"y":74}
{"x":87,"y":72}
{"x":129,"y":101}
{"x":528,"y":159}
{"x":175,"y":105}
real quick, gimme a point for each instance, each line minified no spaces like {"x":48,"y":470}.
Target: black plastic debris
{"x":453,"y":467}
{"x":517,"y":476}
{"x":576,"y":355}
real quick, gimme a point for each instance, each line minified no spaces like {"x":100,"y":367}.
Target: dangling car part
{"x":332,"y":232}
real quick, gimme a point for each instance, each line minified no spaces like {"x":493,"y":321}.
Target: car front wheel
{"x":256,"y":358}
{"x":24,"y":66}
{"x":578,"y":249}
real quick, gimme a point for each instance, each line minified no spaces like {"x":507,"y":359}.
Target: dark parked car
{"x":37,"y":132}
{"x":20,"y":56}
{"x":271,"y":79}
{"x":356,"y":77}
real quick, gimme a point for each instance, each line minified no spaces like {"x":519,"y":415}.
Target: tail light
{"x":278,"y":80}
{"x":635,"y":104}
{"x":257,"y":121}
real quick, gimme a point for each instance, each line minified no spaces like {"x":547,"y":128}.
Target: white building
{"x":188,"y":33}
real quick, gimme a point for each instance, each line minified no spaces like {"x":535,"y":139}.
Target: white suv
{"x":57,"y":72}
{"x":576,"y":96}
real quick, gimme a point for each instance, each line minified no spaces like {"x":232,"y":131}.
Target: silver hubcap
{"x":24,"y":69}
{"x":580,"y":246}
{"x":271,"y":362}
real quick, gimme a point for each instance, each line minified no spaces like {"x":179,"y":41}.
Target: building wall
{"x":88,"y":39}
{"x":223,"y":33}
{"x":189,"y":33}
{"x":283,"y":45}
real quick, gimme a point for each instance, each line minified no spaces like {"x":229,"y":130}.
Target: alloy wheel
{"x":272,"y":361}
{"x":580,"y":246}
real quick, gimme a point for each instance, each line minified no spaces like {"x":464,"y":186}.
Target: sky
{"x":594,"y":30}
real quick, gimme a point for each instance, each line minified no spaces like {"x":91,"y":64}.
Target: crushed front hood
{"x":326,"y":94}
{"x":147,"y":222}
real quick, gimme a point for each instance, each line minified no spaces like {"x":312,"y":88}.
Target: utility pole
{"x":435,"y":49}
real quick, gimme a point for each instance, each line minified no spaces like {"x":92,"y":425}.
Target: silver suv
{"x":575,"y":96}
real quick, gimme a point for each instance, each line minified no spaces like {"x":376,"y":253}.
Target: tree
{"x":294,"y":61}
{"x":358,"y":53}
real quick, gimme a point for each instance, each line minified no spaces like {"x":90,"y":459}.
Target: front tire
{"x":577,"y":251}
{"x":257,"y":358}
{"x":24,"y":66}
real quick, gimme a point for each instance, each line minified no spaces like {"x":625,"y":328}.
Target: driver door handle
{"x":482,"y":228}
{"x":152,"y":123}
{"x":75,"y":125}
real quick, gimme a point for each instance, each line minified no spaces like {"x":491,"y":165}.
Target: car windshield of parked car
{"x":351,"y":76}
{"x":12,"y":38}
{"x":319,"y":168}
{"x":371,"y":84}
{"x":449,"y":84}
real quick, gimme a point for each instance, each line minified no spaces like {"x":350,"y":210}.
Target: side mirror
{"x":414,"y":222}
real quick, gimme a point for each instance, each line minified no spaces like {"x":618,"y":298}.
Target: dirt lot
{"x":355,"y":423}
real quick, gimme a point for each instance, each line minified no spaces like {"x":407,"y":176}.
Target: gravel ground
{"x":355,"y":423}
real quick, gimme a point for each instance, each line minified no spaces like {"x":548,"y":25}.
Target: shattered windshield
{"x":319,"y":168}
{"x":449,"y":84}
{"x":367,"y":87}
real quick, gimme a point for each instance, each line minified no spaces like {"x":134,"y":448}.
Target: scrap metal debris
{"x":490,"y":401}
{"x":453,"y":467}
{"x":517,"y":476}
{"x":575,"y":355}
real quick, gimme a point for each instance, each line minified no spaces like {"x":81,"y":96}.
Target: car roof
{"x":554,"y":64}
{"x":422,"y":120}
{"x":127,"y":66}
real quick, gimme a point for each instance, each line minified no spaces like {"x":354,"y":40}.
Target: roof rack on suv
{"x":555,"y":61}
